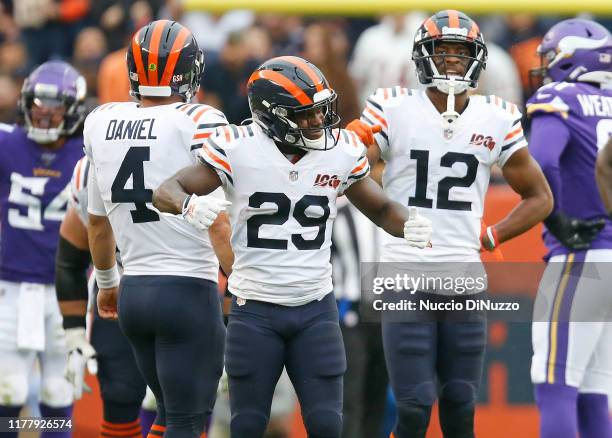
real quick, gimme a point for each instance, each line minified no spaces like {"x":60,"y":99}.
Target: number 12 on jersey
{"x":420,"y":198}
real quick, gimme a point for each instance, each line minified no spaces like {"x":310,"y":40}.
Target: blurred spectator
{"x":285,"y":32}
{"x":13,"y":59}
{"x":89,"y":49}
{"x":326,"y":46}
{"x":49,"y":27}
{"x":383,"y":54}
{"x":225,"y":77}
{"x":501,"y":76}
{"x":113,"y":83}
{"x":257,"y":43}
{"x":8,"y":28}
{"x":210,"y":30}
{"x":119,"y":18}
{"x":9,"y":94}
{"x":521,"y":36}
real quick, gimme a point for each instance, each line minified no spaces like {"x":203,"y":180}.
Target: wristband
{"x":492,"y":235}
{"x":107,"y":278}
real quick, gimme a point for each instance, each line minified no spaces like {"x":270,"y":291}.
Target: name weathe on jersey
{"x":130,"y":129}
{"x":323,"y":180}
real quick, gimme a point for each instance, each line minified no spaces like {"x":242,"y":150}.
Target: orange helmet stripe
{"x":154,"y":51}
{"x":473,"y":33}
{"x":306,"y":68}
{"x":175,"y":52}
{"x":142,"y":77}
{"x":453,"y":19}
{"x":432,"y":28}
{"x":282,"y":81}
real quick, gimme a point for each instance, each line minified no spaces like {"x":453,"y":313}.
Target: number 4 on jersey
{"x":133,"y":165}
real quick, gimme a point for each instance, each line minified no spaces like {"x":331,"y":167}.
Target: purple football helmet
{"x":576,"y":50}
{"x":52,"y":85}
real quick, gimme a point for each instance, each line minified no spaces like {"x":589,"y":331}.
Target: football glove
{"x":364,"y":131}
{"x":575,"y":234}
{"x":223,"y":388}
{"x":417,"y":229}
{"x":80,"y":353}
{"x":201,"y":211}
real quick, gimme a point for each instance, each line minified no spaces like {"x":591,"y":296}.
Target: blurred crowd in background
{"x":356,"y":55}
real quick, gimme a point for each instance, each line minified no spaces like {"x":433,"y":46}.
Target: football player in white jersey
{"x":439,"y":145}
{"x":109,"y":355}
{"x":169,"y":307}
{"x":283,"y":173}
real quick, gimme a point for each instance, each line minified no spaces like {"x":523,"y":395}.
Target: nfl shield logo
{"x":448,"y":133}
{"x":47,"y":158}
{"x":293,"y":176}
{"x":240,"y":301}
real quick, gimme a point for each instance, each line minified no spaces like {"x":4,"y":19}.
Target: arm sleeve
{"x":206,"y":121}
{"x":213,"y":154}
{"x":359,"y":171}
{"x":71,"y":264}
{"x":513,"y":141}
{"x":78,"y":188}
{"x":95,"y":204}
{"x":374,"y":114}
{"x":549,"y":138}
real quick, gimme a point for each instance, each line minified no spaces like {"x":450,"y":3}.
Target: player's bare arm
{"x":102,"y":245}
{"x":197,"y":179}
{"x":525,"y":177}
{"x":604,"y":175}
{"x":219,"y":233}
{"x":391,"y":216}
{"x":371,"y":200}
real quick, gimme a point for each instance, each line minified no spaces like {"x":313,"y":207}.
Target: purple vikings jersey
{"x":571,"y":122}
{"x":34,"y":191}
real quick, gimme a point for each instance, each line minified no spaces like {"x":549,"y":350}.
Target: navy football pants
{"x":430,"y":359}
{"x":121,"y":384}
{"x":176,"y":330}
{"x":264,"y":337}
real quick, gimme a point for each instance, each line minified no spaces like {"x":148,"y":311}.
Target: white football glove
{"x":417,"y":229}
{"x":201,"y":211}
{"x":223,"y":388}
{"x":80,"y":353}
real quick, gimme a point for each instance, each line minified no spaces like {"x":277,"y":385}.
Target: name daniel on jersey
{"x":130,"y":129}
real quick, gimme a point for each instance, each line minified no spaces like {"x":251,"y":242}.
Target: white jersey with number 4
{"x":281,"y":213}
{"x":442,"y":170}
{"x":132,"y":150}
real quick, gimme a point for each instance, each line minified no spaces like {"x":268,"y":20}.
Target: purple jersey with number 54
{"x":586,"y":111}
{"x":34,"y":191}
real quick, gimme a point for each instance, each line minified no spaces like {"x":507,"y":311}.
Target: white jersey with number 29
{"x":281,"y":213}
